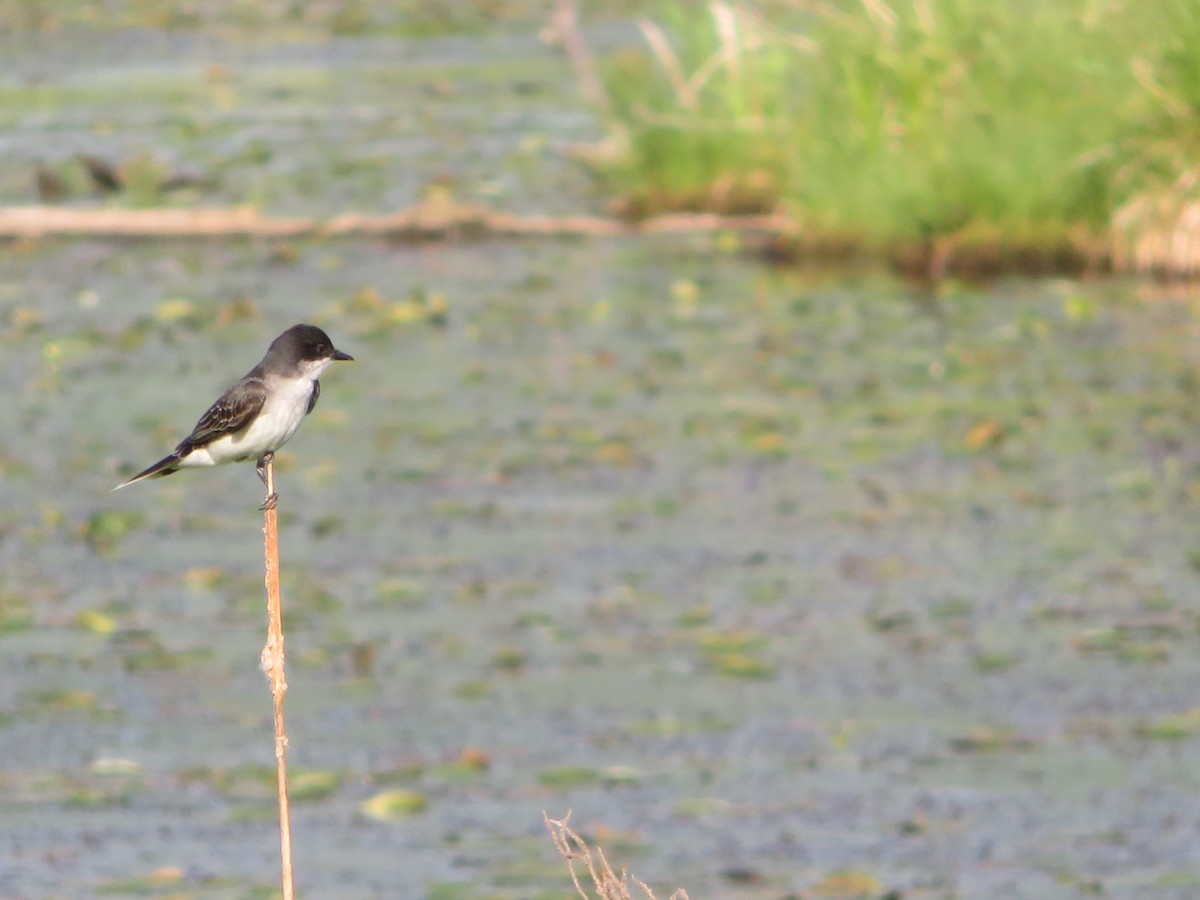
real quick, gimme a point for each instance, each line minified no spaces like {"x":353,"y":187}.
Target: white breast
{"x":281,"y":415}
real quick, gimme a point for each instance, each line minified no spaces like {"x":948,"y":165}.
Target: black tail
{"x":160,"y":469}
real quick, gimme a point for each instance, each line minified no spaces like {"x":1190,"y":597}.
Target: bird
{"x":105,"y":176}
{"x":50,"y":186}
{"x":259,"y":414}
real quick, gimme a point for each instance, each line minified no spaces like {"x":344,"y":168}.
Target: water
{"x":772,"y":579}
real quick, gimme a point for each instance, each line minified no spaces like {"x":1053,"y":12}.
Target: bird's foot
{"x":270,"y":502}
{"x":261,"y":466}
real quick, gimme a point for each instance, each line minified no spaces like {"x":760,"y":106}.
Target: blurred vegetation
{"x":1059,"y":135}
{"x":893,"y":120}
{"x":311,"y":19}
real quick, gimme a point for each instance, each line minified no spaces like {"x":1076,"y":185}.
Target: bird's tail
{"x":160,"y":469}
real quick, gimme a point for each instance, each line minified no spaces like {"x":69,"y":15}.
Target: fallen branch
{"x":45,"y":221}
{"x":968,"y":255}
{"x":430,"y":221}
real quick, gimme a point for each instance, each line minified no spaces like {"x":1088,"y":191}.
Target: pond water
{"x":785,"y":584}
{"x":766,"y":578}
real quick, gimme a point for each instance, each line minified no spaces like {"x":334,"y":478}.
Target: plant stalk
{"x":273,"y":665}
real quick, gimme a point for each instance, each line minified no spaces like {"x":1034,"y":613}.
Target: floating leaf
{"x":406,"y":312}
{"x":848,"y":883}
{"x":64,"y":700}
{"x":166,"y":875}
{"x":1079,"y":308}
{"x":476,"y":689}
{"x":313,"y":785}
{"x":473,"y":757}
{"x":174,"y":309}
{"x":390,"y":806}
{"x":402,"y":591}
{"x":990,"y":740}
{"x":16,"y":614}
{"x":731,"y":641}
{"x":616,"y":452}
{"x":95,"y":621}
{"x":114,"y":766}
{"x":617,"y":776}
{"x":767,"y":442}
{"x":145,"y":885}
{"x":985,"y":434}
{"x":1171,"y":728}
{"x":205,"y":578}
{"x":367,"y":300}
{"x":742,"y":665}
{"x":105,"y":530}
{"x":685,"y":297}
{"x":994,"y":662}
{"x":509,"y":658}
{"x":1122,"y":644}
{"x":697,"y":615}
{"x":702,"y":806}
{"x":471,"y":763}
{"x":568,"y":777}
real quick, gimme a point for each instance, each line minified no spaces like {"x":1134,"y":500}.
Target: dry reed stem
{"x":1159,"y":233}
{"x":665,"y":54}
{"x":606,"y":883}
{"x":725,"y":21}
{"x":727,"y":56}
{"x":564,"y":31}
{"x":739,"y":35}
{"x":882,"y":14}
{"x":272,"y":663}
{"x":1145,"y":75}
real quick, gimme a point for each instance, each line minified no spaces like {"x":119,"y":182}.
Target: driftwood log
{"x":1167,"y":248}
{"x":431,"y":221}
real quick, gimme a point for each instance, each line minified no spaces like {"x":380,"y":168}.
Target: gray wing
{"x":312,"y":401}
{"x":233,"y":411}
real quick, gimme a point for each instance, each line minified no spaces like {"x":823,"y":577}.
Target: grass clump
{"x":930,"y":118}
{"x":1158,"y":223}
{"x":703,"y":118}
{"x":886,"y":123}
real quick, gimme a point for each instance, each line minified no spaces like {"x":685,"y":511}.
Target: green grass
{"x":1161,"y":143}
{"x":695,"y":141}
{"x":898,"y":120}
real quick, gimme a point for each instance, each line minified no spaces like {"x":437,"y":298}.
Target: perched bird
{"x":50,"y":186}
{"x":258,"y":415}
{"x":105,"y":176}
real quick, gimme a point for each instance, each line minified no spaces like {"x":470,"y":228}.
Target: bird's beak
{"x":338,"y":354}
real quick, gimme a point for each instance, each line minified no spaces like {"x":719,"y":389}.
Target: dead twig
{"x":605,"y":882}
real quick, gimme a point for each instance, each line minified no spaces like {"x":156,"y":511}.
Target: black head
{"x":305,"y":343}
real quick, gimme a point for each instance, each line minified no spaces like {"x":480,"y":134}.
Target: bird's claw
{"x":260,"y":467}
{"x":269,"y":503}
